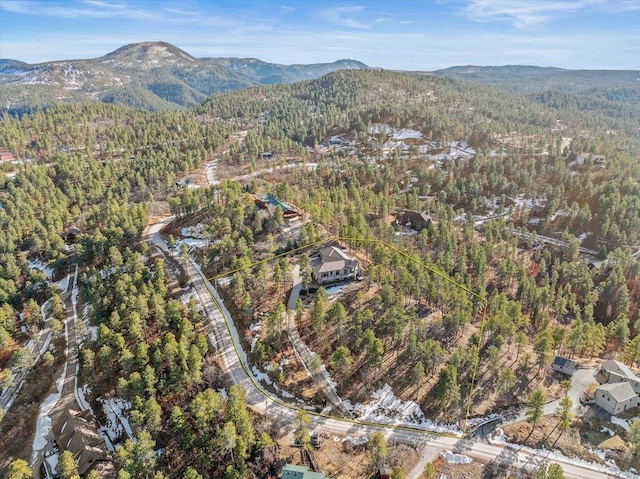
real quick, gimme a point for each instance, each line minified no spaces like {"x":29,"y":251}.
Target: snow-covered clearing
{"x":386,"y":408}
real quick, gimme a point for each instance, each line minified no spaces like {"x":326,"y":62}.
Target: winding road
{"x":225,"y":340}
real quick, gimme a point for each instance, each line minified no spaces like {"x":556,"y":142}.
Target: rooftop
{"x":619,"y":391}
{"x":619,"y":368}
{"x":290,"y":471}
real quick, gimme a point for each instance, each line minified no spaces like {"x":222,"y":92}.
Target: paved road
{"x":549,"y":240}
{"x":234,"y":359}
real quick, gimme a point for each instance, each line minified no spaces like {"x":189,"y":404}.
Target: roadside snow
{"x":63,"y":284}
{"x":582,"y":237}
{"x":546,"y":455}
{"x":452,"y":458}
{"x":43,"y":424}
{"x":386,"y":408}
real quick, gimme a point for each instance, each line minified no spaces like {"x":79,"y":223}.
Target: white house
{"x":613,"y":371}
{"x":333,"y":264}
{"x":616,"y":397}
{"x":620,"y":389}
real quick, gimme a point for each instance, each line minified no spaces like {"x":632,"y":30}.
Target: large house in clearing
{"x":333,"y":264}
{"x":620,"y":387}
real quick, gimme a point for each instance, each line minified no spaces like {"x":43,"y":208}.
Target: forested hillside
{"x":534,"y":210}
{"x":148,"y":75}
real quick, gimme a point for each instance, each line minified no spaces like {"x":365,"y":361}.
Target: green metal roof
{"x":290,"y":471}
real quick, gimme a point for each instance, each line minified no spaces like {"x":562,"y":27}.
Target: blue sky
{"x":405,"y":35}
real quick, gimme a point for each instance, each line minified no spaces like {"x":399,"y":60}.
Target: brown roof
{"x":334,"y":259}
{"x":73,"y":432}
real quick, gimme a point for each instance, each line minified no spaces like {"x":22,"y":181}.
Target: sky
{"x":420,"y":35}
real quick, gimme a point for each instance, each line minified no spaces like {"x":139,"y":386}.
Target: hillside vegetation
{"x":496,"y":169}
{"x":149,"y":75}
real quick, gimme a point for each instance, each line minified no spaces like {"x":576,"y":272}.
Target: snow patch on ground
{"x":40,"y":266}
{"x":386,"y":408}
{"x":195,"y":231}
{"x":115,"y":410}
{"x":191,"y":243}
{"x":63,"y":284}
{"x":582,"y":237}
{"x":452,"y":458}
{"x":608,"y":431}
{"x":52,"y":462}
{"x":476,"y":421}
{"x":210,"y":169}
{"x":623,"y":423}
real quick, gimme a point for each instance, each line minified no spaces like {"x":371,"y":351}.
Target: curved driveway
{"x":228,"y":345}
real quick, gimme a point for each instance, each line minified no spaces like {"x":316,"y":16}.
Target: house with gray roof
{"x":616,"y":397}
{"x":620,"y":387}
{"x":333,"y":265}
{"x":613,"y":371}
{"x":564,"y":365}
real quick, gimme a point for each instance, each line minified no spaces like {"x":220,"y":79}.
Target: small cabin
{"x":564,"y":365}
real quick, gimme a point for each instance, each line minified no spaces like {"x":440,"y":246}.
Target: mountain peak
{"x":147,"y":54}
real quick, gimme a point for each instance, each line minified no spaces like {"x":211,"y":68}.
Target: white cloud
{"x":345,"y":16}
{"x":167,"y":13}
{"x":524,"y":12}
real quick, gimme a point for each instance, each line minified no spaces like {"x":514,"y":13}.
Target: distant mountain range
{"x":149,"y":75}
{"x":534,"y":79}
{"x":158,"y":75}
